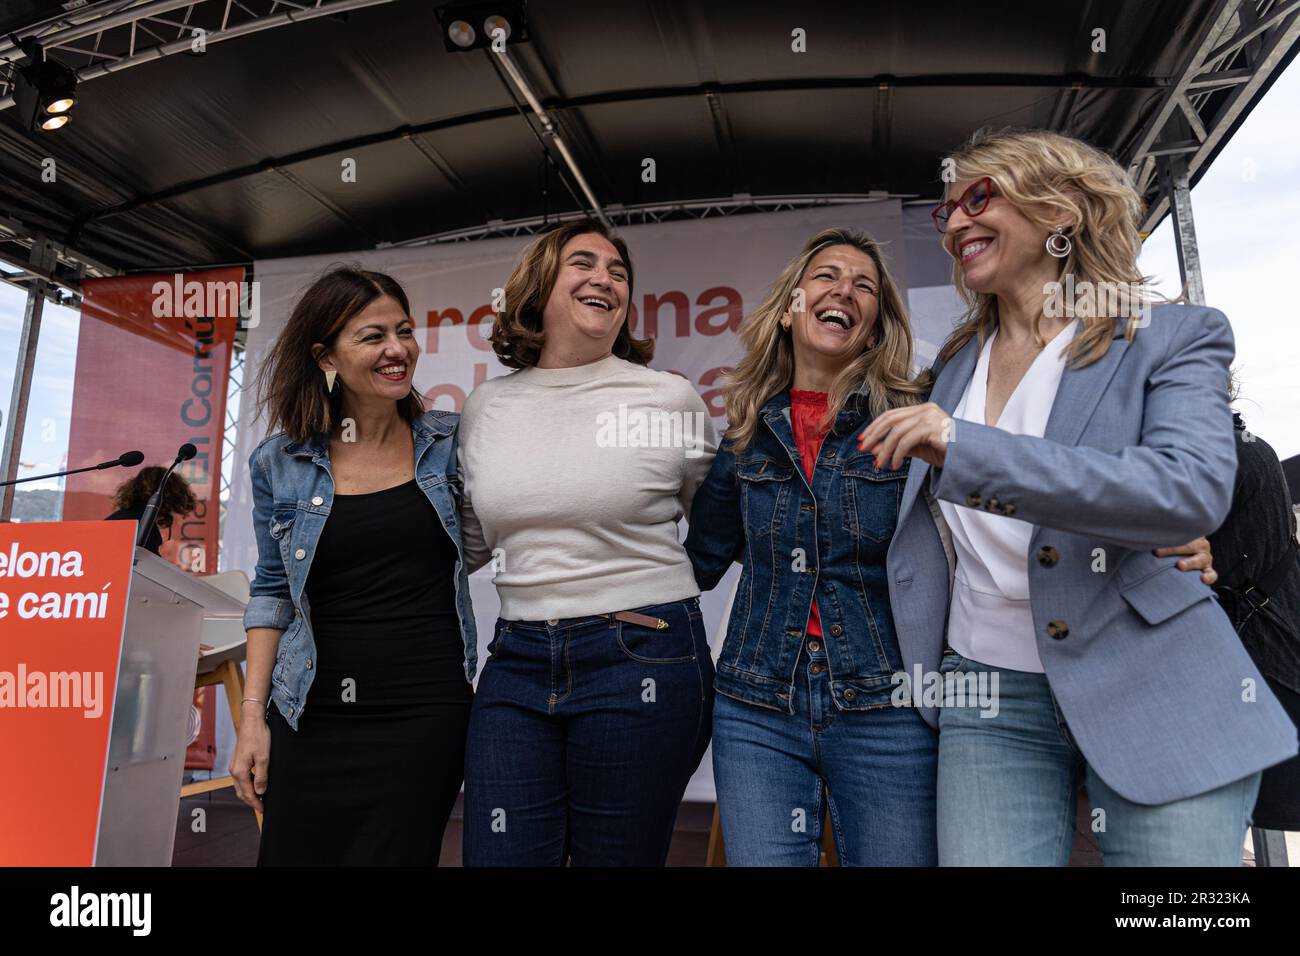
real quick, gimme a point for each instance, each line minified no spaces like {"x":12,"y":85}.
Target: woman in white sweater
{"x":595,"y":703}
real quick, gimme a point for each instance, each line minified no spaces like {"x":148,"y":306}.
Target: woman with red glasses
{"x":1073,"y":427}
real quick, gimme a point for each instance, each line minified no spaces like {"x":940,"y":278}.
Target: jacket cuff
{"x":265,"y":610}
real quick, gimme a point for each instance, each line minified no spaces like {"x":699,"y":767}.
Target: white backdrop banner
{"x":695,"y":280}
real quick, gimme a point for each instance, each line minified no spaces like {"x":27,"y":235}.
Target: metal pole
{"x":43,"y":260}
{"x":1270,"y":847}
{"x":1174,"y":183}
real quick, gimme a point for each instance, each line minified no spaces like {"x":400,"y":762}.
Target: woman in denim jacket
{"x":805,"y":677}
{"x":813,"y":699}
{"x":360,"y":630}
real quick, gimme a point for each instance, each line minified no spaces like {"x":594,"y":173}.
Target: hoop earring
{"x":1059,"y":244}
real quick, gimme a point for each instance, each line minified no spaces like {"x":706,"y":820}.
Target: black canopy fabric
{"x":238,"y":154}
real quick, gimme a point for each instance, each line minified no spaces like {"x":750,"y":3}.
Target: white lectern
{"x":165,"y":612}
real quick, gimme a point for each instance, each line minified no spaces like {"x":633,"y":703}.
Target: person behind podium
{"x":360,"y":631}
{"x":132,"y":495}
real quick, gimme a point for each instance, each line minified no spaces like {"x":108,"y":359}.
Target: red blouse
{"x":807,"y":411}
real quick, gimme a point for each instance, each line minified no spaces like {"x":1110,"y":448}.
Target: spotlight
{"x":458,"y":19}
{"x":44,"y":91}
{"x":461,"y":34}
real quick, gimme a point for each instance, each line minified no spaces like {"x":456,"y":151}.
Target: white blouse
{"x":989,"y":617}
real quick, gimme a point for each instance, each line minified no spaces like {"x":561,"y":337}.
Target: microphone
{"x":127,"y":459}
{"x":184,"y":453}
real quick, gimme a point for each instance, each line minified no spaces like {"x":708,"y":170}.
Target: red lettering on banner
{"x":715,"y":398}
{"x":681,"y":313}
{"x":732,"y":309}
{"x":437,"y":318}
{"x":456,"y":393}
{"x":476,"y":336}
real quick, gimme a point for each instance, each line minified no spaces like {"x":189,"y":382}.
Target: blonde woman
{"x":805,"y":679}
{"x":1063,"y":444}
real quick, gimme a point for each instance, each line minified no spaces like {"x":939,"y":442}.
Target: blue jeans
{"x":1008,"y":784}
{"x":875,"y":767}
{"x":582,"y":738}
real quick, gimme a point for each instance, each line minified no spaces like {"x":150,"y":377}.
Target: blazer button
{"x":318,"y":500}
{"x":993,"y":505}
{"x":972,"y":501}
{"x":1008,"y":509}
{"x":1048,"y":557}
{"x":836,"y":630}
{"x":300,"y":553}
{"x":1058,"y":630}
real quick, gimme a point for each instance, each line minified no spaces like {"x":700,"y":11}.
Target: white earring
{"x":1059,"y":244}
{"x":329,"y":380}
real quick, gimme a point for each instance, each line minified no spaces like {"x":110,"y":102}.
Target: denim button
{"x":318,"y":500}
{"x":817,"y":668}
{"x":836,"y":630}
{"x":814,"y":646}
{"x":553,"y":621}
{"x":850,"y":694}
{"x":300,"y":553}
{"x":309,"y":663}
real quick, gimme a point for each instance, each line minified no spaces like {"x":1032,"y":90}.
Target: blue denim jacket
{"x":798,"y":540}
{"x":293,"y":490}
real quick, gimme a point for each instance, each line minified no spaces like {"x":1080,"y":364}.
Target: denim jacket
{"x":293,"y":490}
{"x":797,"y":540}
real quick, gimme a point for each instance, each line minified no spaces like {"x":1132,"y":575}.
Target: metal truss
{"x":110,"y":35}
{"x":620,"y":215}
{"x":62,"y":269}
{"x":1238,"y":54}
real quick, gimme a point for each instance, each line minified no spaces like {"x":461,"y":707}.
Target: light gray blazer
{"x":1138,"y":453}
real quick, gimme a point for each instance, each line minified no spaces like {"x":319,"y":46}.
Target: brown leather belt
{"x":642,"y":620}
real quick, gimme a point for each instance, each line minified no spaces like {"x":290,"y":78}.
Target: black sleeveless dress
{"x":372,"y":773}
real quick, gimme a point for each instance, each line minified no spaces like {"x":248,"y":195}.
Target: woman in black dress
{"x":361,"y":640}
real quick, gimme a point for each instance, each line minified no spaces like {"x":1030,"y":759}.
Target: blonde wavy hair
{"x":883,"y":370}
{"x":1051,"y":178}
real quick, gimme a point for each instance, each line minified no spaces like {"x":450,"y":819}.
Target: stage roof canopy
{"x":174,"y":159}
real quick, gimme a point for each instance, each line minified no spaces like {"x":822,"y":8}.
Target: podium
{"x":99,"y":647}
{"x":155,"y":690}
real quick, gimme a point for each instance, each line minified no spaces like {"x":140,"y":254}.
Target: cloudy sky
{"x":1246,"y":210}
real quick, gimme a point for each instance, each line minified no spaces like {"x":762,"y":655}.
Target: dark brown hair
{"x":517,"y":335}
{"x":290,"y":385}
{"x":177,"y":497}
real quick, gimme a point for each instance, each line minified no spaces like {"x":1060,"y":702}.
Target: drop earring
{"x":329,"y":380}
{"x":1059,"y":244}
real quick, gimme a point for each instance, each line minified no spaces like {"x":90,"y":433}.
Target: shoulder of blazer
{"x":1173,"y":317}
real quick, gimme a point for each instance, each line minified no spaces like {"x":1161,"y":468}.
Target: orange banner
{"x":153,"y":362}
{"x":63,"y":591}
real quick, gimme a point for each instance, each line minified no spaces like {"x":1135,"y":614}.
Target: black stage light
{"x":44,"y":91}
{"x":475,"y":26}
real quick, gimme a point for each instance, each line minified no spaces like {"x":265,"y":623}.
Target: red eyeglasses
{"x":973,"y":202}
